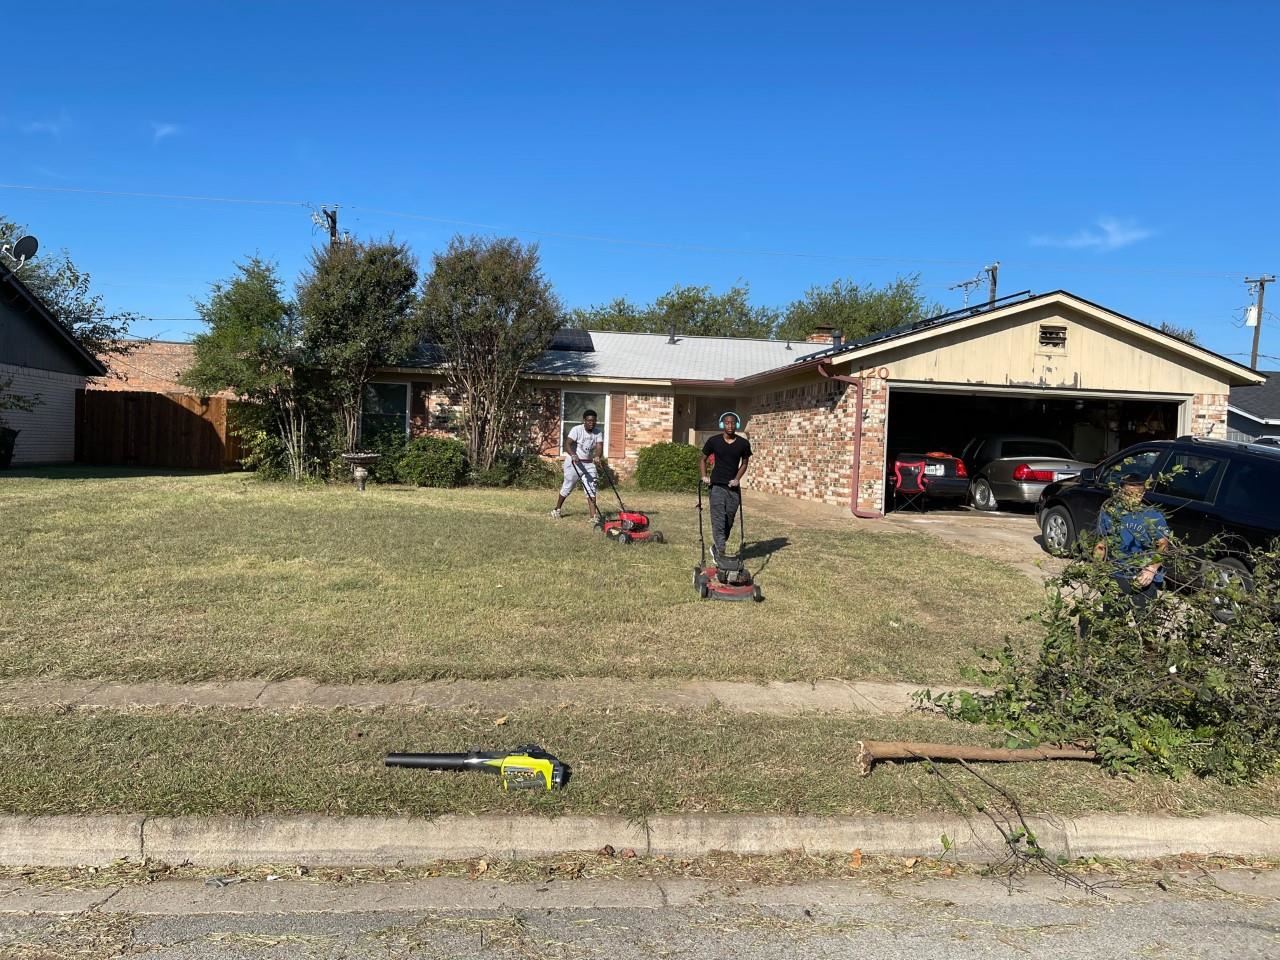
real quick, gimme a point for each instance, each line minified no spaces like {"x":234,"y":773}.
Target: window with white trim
{"x":385,"y":412}
{"x":574,"y":405}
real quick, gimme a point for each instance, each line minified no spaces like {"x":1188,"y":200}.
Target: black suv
{"x":1207,"y":489}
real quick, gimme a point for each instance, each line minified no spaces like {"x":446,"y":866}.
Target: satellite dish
{"x":25,"y":249}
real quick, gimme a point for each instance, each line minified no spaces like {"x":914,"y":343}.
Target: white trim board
{"x":1250,"y":416}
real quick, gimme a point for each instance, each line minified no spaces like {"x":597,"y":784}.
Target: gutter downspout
{"x":824,"y":368}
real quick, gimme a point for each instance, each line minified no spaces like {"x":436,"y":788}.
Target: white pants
{"x":572,"y":479}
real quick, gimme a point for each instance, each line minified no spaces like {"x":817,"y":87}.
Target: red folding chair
{"x":910,"y":485}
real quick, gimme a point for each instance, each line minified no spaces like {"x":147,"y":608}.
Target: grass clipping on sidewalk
{"x":629,"y":763}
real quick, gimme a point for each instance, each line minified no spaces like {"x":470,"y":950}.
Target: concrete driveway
{"x":1010,"y":537}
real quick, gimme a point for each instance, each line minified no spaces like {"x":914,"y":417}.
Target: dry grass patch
{"x":624,"y":762}
{"x":222,"y":577}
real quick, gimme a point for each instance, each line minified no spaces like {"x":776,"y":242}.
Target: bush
{"x":522,"y":471}
{"x":263,"y":453}
{"x":668,"y":466}
{"x":393,"y":446}
{"x":1170,"y":688}
{"x":433,"y":462}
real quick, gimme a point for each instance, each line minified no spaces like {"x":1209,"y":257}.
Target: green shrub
{"x":668,"y":466}
{"x":522,"y":471}
{"x":534,"y":473}
{"x":392,"y":445}
{"x":1188,"y":684}
{"x":433,"y":462}
{"x":263,"y":454}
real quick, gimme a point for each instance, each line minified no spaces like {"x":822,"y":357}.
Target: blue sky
{"x":1126,"y":152}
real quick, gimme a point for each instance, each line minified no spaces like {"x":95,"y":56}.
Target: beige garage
{"x":1056,"y":364}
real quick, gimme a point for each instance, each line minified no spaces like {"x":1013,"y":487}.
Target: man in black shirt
{"x":730,"y":456}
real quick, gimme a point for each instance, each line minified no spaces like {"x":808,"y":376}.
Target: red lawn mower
{"x":626,"y":526}
{"x":728,"y":578}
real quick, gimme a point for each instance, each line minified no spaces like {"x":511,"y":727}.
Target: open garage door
{"x":924,"y":420}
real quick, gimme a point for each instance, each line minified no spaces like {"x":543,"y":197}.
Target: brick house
{"x":825,"y":416}
{"x":151,"y":366}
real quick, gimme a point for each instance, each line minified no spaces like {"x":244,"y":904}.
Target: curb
{"x":390,"y":841}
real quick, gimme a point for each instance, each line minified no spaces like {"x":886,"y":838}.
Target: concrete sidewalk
{"x":837,"y":696}
{"x":315,"y":840}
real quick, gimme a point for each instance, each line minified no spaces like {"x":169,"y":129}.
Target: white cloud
{"x":51,"y":126}
{"x":1108,"y":233}
{"x":162,"y":131}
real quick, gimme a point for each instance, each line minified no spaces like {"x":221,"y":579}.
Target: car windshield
{"x":1034,"y":448}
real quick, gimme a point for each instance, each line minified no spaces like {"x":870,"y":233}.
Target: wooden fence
{"x":137,"y":429}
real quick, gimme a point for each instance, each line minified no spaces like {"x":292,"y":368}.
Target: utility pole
{"x":1259,"y":285}
{"x":991,"y":270}
{"x":331,"y":217}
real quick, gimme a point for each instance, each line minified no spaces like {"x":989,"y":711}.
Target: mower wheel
{"x":624,"y":537}
{"x":658,"y":537}
{"x":756,"y":595}
{"x":702,"y":588}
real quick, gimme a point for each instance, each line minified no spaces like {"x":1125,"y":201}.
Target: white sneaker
{"x":555,"y":514}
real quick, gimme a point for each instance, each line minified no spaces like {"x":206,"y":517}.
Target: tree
{"x":857,"y":310}
{"x":1186,"y":334}
{"x":357,"y":308}
{"x":688,"y":311}
{"x":490,"y":311}
{"x":252,"y":346}
{"x":68,"y":293}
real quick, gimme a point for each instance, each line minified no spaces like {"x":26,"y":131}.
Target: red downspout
{"x":824,"y":368}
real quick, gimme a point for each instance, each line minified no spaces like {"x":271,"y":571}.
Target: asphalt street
{"x":1231,"y":914}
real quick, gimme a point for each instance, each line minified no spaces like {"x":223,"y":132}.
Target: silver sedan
{"x":1015,"y":469}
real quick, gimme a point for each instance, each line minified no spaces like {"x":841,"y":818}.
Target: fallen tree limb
{"x":871,"y":751}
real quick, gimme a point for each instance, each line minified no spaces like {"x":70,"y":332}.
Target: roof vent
{"x":837,"y":338}
{"x":671,"y":335}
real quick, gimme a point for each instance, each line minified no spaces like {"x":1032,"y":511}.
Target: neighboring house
{"x":46,"y":364}
{"x":152,"y":366}
{"x":1254,"y":410}
{"x":825,"y":418}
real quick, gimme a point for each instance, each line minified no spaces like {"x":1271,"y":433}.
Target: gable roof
{"x":1259,"y":402}
{"x":91,"y":364}
{"x":1237,"y":373}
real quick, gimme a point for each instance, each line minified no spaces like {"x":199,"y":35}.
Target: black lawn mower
{"x":728,"y":577}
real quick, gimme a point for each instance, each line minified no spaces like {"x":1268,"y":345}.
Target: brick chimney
{"x":824,"y":333}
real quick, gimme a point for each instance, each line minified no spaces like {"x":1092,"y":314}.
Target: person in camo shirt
{"x":582,"y":446}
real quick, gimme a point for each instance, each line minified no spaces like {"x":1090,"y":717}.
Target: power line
{"x":631,"y":241}
{"x":154,"y":196}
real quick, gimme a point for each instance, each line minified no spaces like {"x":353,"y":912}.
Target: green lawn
{"x":190,"y":577}
{"x":623,"y":762}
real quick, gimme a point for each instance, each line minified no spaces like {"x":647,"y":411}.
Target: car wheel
{"x":982,"y":495}
{"x":1224,"y":578}
{"x":1058,"y":531}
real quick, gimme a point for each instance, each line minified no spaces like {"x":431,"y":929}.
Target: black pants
{"x":725,"y":502}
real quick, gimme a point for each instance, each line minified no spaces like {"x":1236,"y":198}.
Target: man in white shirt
{"x":582,"y":446}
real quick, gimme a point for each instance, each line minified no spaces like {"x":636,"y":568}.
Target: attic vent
{"x":1053,"y":337}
